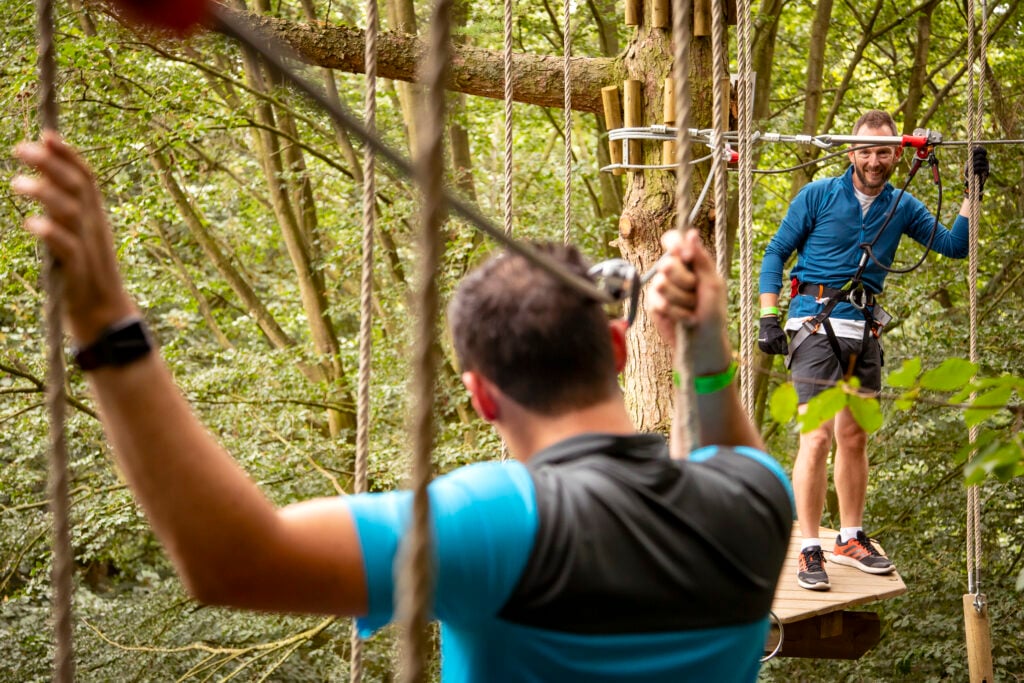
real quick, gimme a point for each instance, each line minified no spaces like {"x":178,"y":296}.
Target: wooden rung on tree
{"x":612,"y":120}
{"x":668,"y":147}
{"x":701,"y":18}
{"x":660,"y":14}
{"x":634,"y":11}
{"x":633,"y":109}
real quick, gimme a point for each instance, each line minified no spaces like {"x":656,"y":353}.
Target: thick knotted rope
{"x":416,"y":585}
{"x":684,"y":434}
{"x":63,"y":558}
{"x":366,"y":292}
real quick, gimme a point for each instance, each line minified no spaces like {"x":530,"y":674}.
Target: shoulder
{"x":748,"y":467}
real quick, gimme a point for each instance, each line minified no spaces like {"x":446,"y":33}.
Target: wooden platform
{"x":817,"y":623}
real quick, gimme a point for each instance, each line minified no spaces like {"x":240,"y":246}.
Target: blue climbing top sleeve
{"x":484,"y":520}
{"x":789,"y":237}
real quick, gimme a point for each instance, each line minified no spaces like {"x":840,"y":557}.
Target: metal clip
{"x":858,"y":298}
{"x":621,"y":281}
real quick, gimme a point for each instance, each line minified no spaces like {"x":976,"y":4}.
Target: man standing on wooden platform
{"x":834,"y":322}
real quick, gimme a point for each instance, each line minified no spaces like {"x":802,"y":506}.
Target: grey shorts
{"x":815,"y":362}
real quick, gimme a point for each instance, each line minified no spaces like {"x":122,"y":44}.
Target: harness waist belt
{"x":823,"y":291}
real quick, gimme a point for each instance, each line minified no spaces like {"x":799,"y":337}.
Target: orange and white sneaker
{"x":858,"y":552}
{"x":810,"y":572}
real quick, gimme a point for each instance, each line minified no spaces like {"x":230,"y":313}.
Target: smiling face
{"x":873,"y":166}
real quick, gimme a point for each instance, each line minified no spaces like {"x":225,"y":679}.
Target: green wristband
{"x":769,"y":310}
{"x":709,"y":384}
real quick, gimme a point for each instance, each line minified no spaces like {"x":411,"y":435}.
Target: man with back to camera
{"x":832,"y":334}
{"x":591,"y":556}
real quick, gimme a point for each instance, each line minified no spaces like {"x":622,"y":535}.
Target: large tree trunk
{"x":648,"y":211}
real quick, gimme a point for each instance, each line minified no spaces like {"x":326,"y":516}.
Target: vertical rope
{"x":417,"y":581}
{"x":567,"y":125}
{"x":366,"y":293}
{"x":684,"y":424}
{"x":746,"y":215}
{"x":63,"y":559}
{"x":974,"y":101}
{"x":720,"y":125}
{"x":507,"y":165}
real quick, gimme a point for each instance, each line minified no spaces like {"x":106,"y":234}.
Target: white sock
{"x":848,"y":532}
{"x":810,"y":543}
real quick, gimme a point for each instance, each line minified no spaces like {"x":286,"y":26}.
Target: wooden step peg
{"x":612,"y":120}
{"x":633,"y":110}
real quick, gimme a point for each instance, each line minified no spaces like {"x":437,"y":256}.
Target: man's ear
{"x":617,"y":329}
{"x":481,"y":395}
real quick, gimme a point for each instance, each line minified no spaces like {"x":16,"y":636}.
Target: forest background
{"x":236,"y":208}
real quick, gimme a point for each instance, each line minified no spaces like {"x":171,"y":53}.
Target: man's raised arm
{"x":229,"y":543}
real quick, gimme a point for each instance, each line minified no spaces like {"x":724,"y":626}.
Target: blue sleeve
{"x":791,"y":234}
{"x":952,"y":243}
{"x":484,"y":520}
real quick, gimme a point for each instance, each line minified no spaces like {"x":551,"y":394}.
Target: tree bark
{"x":813,"y":87}
{"x":919,"y":72}
{"x":649,"y":210}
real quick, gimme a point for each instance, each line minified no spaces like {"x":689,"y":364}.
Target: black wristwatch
{"x":119,"y":344}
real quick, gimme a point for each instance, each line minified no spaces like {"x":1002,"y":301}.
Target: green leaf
{"x":907,"y":400}
{"x":950,"y":376}
{"x":783,"y":403}
{"x":823,"y":408}
{"x":905,"y":377}
{"x":866,"y":412}
{"x":987,"y":405}
{"x":981,"y":446}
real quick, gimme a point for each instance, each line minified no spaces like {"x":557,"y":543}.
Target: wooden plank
{"x":850,"y":586}
{"x":979,"y":641}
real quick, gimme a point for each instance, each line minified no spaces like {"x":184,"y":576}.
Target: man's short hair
{"x":875,"y":118}
{"x":545,"y":345}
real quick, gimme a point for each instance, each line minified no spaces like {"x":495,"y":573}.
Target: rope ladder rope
{"x":57,"y":481}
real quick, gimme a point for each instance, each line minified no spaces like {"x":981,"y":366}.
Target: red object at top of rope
{"x":180,"y":16}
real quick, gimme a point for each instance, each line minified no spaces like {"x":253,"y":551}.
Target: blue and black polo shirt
{"x":602,"y":559}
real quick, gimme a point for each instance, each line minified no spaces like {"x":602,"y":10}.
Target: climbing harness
{"x":854,"y":292}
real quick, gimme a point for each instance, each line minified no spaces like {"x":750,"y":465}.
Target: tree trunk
{"x":919,"y":72}
{"x":813,"y":88}
{"x":402,"y":18}
{"x":648,"y":211}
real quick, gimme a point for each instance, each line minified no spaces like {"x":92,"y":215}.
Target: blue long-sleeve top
{"x":825,"y":226}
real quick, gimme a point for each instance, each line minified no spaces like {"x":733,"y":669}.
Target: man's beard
{"x":862,"y":177}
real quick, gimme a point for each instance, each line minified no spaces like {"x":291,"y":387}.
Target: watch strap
{"x":119,"y":344}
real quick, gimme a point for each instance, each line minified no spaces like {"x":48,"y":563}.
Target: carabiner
{"x":621,"y":281}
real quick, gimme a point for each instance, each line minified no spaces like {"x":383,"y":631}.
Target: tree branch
{"x":474,"y":71}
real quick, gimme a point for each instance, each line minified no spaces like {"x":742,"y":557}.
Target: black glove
{"x":771,"y":338}
{"x":979,"y":164}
